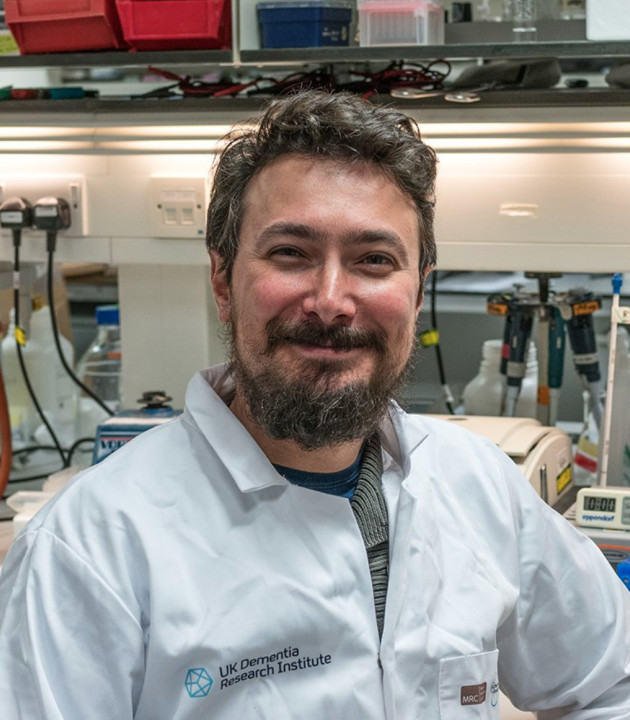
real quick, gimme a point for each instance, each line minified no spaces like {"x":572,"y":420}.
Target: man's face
{"x":323,"y":299}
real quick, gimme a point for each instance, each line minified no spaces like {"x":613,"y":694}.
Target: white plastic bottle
{"x":618,"y":472}
{"x":483,"y":395}
{"x":99,"y":368}
{"x":53,"y":388}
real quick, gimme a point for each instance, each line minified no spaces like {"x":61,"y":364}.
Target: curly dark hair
{"x":341,"y":127}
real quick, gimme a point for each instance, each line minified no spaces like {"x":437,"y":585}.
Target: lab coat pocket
{"x":469,"y":687}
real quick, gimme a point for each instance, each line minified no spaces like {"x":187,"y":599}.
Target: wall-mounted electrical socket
{"x":34,"y":187}
{"x":178,"y":206}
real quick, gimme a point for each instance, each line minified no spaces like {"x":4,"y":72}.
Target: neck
{"x":288,"y":453}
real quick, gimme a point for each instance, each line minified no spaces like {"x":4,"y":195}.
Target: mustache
{"x":314,"y":332}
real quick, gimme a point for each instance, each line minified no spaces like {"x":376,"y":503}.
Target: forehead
{"x":328,"y":191}
{"x":308,"y":167}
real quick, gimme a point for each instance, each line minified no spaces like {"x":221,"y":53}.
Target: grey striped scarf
{"x":370,"y":512}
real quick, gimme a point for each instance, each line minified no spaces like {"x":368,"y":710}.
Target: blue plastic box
{"x":304,"y":24}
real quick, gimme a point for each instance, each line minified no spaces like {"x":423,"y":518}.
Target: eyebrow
{"x":296,"y":230}
{"x":359,"y":237}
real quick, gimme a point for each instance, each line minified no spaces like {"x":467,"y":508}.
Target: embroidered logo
{"x":473,"y":694}
{"x":198,"y":682}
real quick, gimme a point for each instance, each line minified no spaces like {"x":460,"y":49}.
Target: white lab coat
{"x":184,"y":557}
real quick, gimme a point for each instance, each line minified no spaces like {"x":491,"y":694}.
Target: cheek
{"x":395,"y":311}
{"x":262,"y":298}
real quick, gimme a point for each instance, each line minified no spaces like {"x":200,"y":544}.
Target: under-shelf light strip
{"x":208,"y":138}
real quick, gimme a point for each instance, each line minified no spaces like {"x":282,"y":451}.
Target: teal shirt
{"x":341,"y":483}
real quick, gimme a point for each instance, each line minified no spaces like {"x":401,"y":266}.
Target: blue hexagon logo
{"x":198,"y":682}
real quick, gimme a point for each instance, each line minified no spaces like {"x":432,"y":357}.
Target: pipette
{"x":557,"y":344}
{"x":521,"y":321}
{"x":583,"y":304}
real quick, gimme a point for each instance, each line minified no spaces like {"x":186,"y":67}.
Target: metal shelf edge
{"x":570,"y":49}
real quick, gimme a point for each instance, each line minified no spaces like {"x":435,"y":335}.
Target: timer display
{"x":600,"y":503}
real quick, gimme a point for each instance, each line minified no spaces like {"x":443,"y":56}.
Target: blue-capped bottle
{"x":99,"y":368}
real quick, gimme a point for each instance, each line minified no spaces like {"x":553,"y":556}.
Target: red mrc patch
{"x":473,"y":694}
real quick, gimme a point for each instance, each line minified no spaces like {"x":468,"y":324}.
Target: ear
{"x":220,"y":287}
{"x":420,"y":300}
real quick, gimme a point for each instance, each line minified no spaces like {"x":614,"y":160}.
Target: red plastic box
{"x":43,"y":26}
{"x":176,"y":24}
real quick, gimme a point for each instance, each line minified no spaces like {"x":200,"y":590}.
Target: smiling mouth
{"x":328,"y":350}
{"x":327,"y":347}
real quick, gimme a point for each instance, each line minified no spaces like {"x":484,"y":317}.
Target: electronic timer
{"x":606,"y":507}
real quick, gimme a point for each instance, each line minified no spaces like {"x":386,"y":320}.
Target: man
{"x":295,"y":545}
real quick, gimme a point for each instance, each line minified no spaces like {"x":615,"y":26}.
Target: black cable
{"x":438,"y":351}
{"x":17,"y":236}
{"x":32,"y":449}
{"x":55,"y":329}
{"x":18,"y":345}
{"x":38,"y":407}
{"x":76,"y":444}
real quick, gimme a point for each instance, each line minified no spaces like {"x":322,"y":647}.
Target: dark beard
{"x":308,"y":409}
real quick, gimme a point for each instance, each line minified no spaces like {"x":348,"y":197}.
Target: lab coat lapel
{"x":411,"y":539}
{"x":414,"y":582}
{"x":415,"y":546}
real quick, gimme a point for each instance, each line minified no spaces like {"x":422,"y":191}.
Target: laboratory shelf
{"x":119,"y":58}
{"x":507,"y":105}
{"x":575,"y":49}
{"x":468,"y":51}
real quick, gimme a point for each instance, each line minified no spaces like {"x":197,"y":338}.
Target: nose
{"x":331,"y":295}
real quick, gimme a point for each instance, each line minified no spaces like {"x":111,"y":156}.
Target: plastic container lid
{"x":108,"y":315}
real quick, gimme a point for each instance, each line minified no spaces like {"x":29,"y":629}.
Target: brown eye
{"x":286,"y":252}
{"x":377,"y":259}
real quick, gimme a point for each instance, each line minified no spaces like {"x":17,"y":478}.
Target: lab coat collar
{"x":400,"y":437}
{"x":208,"y":397}
{"x":207,"y":405}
